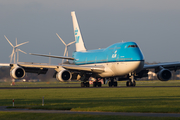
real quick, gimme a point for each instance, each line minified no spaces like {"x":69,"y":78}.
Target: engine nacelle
{"x":164,"y":75}
{"x":63,"y":75}
{"x":17,"y":73}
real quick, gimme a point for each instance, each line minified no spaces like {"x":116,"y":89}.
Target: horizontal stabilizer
{"x":53,"y":56}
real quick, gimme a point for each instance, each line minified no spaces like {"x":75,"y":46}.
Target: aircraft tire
{"x":94,"y":84}
{"x":110,"y":84}
{"x":82,"y":84}
{"x":115,"y":84}
{"x":127,"y":83}
{"x":87,"y":84}
{"x":99,"y":84}
{"x":134,"y":83}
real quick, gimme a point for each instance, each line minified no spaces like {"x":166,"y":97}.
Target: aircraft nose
{"x":137,"y":55}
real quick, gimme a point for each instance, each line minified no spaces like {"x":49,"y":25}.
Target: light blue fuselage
{"x":119,"y":52}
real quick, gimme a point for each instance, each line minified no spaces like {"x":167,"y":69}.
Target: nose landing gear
{"x":131,"y":81}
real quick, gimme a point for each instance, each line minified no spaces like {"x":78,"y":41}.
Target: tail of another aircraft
{"x":77,"y":34}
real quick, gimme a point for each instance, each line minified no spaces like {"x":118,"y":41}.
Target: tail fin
{"x":77,"y":34}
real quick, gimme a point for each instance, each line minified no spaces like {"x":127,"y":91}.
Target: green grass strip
{"x":151,"y":99}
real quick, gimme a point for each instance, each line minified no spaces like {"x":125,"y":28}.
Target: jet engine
{"x":164,"y":74}
{"x":17,"y":73}
{"x":63,"y":75}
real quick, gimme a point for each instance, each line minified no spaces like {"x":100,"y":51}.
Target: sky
{"x":153,"y":24}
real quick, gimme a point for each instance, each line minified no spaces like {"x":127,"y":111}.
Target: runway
{"x":79,"y":87}
{"x":3,"y":108}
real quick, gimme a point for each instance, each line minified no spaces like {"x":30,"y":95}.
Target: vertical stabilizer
{"x":77,"y":34}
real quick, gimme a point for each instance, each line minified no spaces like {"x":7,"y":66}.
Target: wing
{"x":169,"y":65}
{"x":4,"y":64}
{"x":65,"y":66}
{"x":62,"y":72}
{"x":97,"y":69}
{"x":36,"y":67}
{"x":53,"y":56}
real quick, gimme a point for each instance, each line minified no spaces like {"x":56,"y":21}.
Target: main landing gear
{"x":131,"y":81}
{"x":85,"y":84}
{"x":99,"y":84}
{"x":112,"y":82}
{"x":96,"y":83}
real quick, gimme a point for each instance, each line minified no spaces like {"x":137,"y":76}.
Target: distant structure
{"x":151,"y":75}
{"x":66,"y":46}
{"x":15,"y":50}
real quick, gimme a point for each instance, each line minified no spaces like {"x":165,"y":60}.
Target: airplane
{"x":123,"y":60}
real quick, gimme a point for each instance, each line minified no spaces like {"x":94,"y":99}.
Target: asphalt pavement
{"x":80,"y":87}
{"x":3,"y":108}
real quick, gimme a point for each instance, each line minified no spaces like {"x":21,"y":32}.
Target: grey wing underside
{"x":168,"y":65}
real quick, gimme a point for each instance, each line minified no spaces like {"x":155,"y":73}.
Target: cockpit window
{"x":132,"y":46}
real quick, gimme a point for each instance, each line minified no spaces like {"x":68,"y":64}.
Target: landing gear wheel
{"x":110,"y":84}
{"x":97,"y":84}
{"x":87,"y":84}
{"x":84,"y":84}
{"x":115,"y":84}
{"x":94,"y":84}
{"x":131,"y":81}
{"x":128,"y":83}
{"x":134,"y":83}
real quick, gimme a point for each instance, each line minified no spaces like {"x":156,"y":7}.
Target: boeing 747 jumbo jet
{"x":122,"y":60}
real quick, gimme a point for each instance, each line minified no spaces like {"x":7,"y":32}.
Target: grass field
{"x":151,"y":99}
{"x":130,"y":99}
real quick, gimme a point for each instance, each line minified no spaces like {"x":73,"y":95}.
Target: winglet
{"x":77,"y":34}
